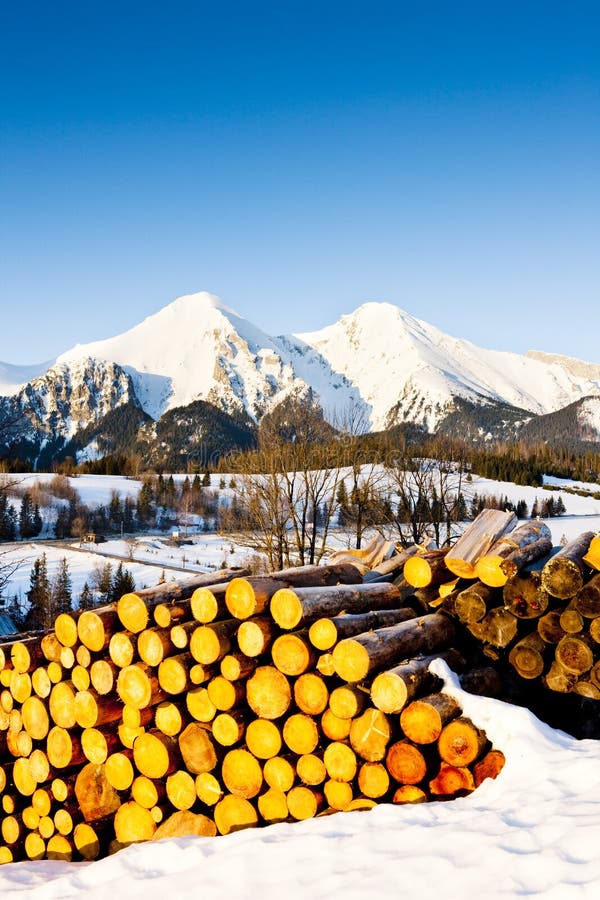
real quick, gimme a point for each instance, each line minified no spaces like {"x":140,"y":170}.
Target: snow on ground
{"x":534,"y":831}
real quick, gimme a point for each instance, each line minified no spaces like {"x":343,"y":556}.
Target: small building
{"x":92,"y":538}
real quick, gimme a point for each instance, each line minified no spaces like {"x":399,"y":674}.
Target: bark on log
{"x":587,"y":600}
{"x":489,"y":526}
{"x":427,"y":569}
{"x":357,"y":657}
{"x":392,"y":690}
{"x":563,"y":575}
{"x":528,"y":656}
{"x":422,"y":720}
{"x":513,"y":552}
{"x":301,"y":607}
{"x":326,"y":632}
{"x":472,"y":603}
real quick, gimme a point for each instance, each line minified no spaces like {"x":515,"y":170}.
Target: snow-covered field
{"x":532,"y":832}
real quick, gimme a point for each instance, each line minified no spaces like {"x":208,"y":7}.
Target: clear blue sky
{"x":298,"y":159}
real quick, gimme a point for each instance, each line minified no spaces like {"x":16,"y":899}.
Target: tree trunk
{"x":325,"y":633}
{"x":355,"y":658}
{"x":392,"y":690}
{"x":512,"y":552}
{"x":301,"y":607}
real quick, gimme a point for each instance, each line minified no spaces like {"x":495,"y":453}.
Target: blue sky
{"x":299,"y":159}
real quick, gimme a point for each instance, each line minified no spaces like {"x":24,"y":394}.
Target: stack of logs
{"x":521,"y":599}
{"x":209,"y":707}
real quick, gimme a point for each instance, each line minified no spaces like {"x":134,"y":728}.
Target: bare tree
{"x":364,"y":480}
{"x":287,"y":488}
{"x":426,"y":492}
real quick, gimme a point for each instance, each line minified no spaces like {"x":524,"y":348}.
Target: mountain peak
{"x":201,"y":300}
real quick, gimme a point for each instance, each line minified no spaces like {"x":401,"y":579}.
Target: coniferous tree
{"x":122,"y":583}
{"x":86,"y":598}
{"x":206,"y":479}
{"x":26,"y":526}
{"x":39,"y":596}
{"x":102,"y":581}
{"x":535,"y":509}
{"x":37,"y":522}
{"x":62,"y":598}
{"x":521,"y":509}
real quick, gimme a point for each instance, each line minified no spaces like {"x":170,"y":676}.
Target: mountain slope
{"x":408,"y":370}
{"x":197,"y":348}
{"x":385,"y":365}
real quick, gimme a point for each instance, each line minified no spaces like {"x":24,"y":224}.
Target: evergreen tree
{"x":26,"y":526}
{"x":521,"y":509}
{"x":86,"y":598}
{"x":206,"y":480}
{"x":8,"y":523}
{"x":102,"y":581}
{"x":559,"y":507}
{"x":39,"y":596}
{"x":37,"y":522}
{"x":342,"y":501}
{"x":144,"y":503}
{"x":62,"y":598}
{"x":122,"y":583}
{"x":460,"y":509}
{"x":535,"y":509}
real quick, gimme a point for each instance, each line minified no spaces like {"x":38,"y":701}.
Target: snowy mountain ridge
{"x":392,"y":366}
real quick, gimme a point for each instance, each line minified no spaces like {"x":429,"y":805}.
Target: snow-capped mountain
{"x":380,"y":360}
{"x":197,"y":348}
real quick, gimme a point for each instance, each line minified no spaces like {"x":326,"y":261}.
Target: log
{"x":347,"y":701}
{"x":392,"y":690}
{"x":154,"y":644}
{"x":155,"y":755}
{"x":119,"y":771}
{"x":477,"y":540}
{"x":279,"y":773}
{"x":311,"y":769}
{"x":183,"y":824}
{"x":241,"y":774}
{"x":452,"y":781}
{"x":236,"y":666}
{"x":472,"y":603}
{"x":311,"y":694}
{"x":225,"y":694}
{"x":527,"y":656}
{"x":422,"y":720}
{"x":484,"y":681}
{"x":587,"y":600}
{"x":326,"y":632}
{"x":461,"y":742}
{"x":409,"y":793}
{"x":181,"y":790}
{"x":302,"y":606}
{"x":96,"y":798}
{"x":373,"y":780}
{"x":292,"y":653}
{"x":208,"y":604}
{"x":208,"y":789}
{"x":199,"y":705}
{"x":406,"y":764}
{"x":268,"y":693}
{"x":303,"y":802}
{"x":300,"y":733}
{"x":524,"y":595}
{"x":133,"y":823}
{"x":138,"y":686}
{"x":497,"y":628}
{"x":229,"y":728}
{"x":549,"y":628}
{"x":574,"y":655}
{"x":426,"y":569}
{"x":273,"y":807}
{"x":370,"y":735}
{"x":340,"y":761}
{"x":489,"y":766}
{"x":334,"y":728}
{"x":210,"y":643}
{"x":394,"y":565}
{"x":255,"y":636}
{"x":558,"y":679}
{"x":563,"y":575}
{"x":121,"y":649}
{"x":511,"y":553}
{"x":338,"y":794}
{"x":355,"y":658}
{"x":571,"y":620}
{"x":263,"y":738}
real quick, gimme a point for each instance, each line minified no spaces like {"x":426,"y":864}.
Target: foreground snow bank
{"x":534,"y":831}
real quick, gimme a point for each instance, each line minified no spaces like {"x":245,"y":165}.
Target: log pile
{"x":523,"y":601}
{"x":208,"y":708}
